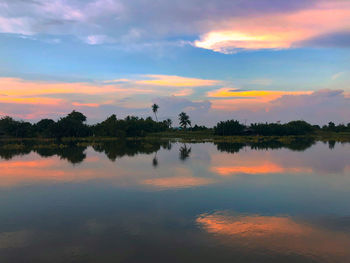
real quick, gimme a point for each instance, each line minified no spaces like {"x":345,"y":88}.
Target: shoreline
{"x":185,"y":137}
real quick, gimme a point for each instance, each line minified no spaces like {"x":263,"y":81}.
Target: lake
{"x":175,"y":202}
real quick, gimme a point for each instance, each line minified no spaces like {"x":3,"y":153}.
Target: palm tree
{"x":184,"y":120}
{"x":168,"y":122}
{"x":155,"y":108}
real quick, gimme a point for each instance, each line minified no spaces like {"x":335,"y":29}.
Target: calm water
{"x":174,"y":202}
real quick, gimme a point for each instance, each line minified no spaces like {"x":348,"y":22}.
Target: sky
{"x":251,"y":60}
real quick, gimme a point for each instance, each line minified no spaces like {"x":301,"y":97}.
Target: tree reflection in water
{"x":184,"y":152}
{"x":74,"y":150}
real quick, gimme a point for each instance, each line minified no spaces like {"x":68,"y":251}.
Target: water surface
{"x":175,"y":202}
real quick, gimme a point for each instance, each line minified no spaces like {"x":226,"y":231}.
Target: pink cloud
{"x":317,"y":107}
{"x":277,"y":31}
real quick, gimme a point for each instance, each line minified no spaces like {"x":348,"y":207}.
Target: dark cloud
{"x":338,"y":39}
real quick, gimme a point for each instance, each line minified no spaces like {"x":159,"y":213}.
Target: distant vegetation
{"x":74,"y":125}
{"x":232,"y":127}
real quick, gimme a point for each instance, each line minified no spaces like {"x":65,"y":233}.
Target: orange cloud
{"x":18,"y":91}
{"x":175,"y":81}
{"x":266,"y":95}
{"x":13,"y":87}
{"x":182,"y":93}
{"x":93,"y":105}
{"x":250,"y":99}
{"x":34,"y":101}
{"x":277,"y":31}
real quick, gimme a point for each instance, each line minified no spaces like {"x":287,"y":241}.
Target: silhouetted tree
{"x":168,"y":122}
{"x":231,"y":127}
{"x":12,"y":128}
{"x":45,"y":128}
{"x":72,"y":126}
{"x":184,"y":120}
{"x":155,"y":108}
{"x":331,"y":126}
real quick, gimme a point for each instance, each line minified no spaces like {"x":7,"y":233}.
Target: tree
{"x":230,"y":127}
{"x":168,"y":122}
{"x":184,"y":120}
{"x":12,"y":128}
{"x":298,"y":128}
{"x":331,"y":126}
{"x":45,"y":127}
{"x":72,"y":126}
{"x":155,"y":108}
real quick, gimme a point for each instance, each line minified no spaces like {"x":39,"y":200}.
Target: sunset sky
{"x":251,"y":60}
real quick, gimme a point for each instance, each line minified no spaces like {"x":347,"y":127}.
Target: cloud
{"x":264,"y":95}
{"x":37,"y":99}
{"x":22,"y":91}
{"x":96,"y":39}
{"x":15,"y":25}
{"x":78,"y":104}
{"x":171,"y":106}
{"x":328,"y":40}
{"x":176,"y":81}
{"x":279,"y":30}
{"x":174,"y":94}
{"x":337,"y":75}
{"x":223,"y":26}
{"x":182,"y":93}
{"x":317,"y":107}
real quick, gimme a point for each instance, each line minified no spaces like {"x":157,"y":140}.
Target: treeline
{"x":74,"y":125}
{"x":233,"y":127}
